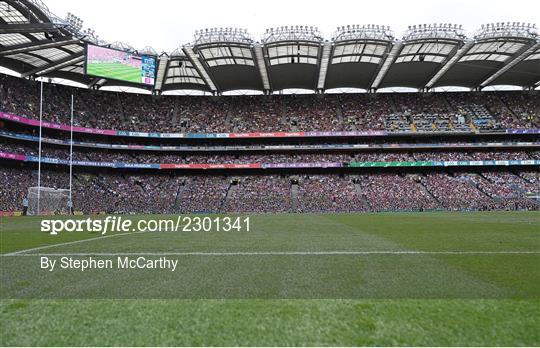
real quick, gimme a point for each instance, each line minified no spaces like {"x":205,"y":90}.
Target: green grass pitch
{"x":332,"y":279}
{"x":115,"y":71}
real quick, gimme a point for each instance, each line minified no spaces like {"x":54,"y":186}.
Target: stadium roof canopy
{"x":36,"y":43}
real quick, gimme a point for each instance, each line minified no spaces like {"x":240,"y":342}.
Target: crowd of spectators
{"x":532,"y":178}
{"x":255,"y":113}
{"x":98,"y":155}
{"x":473,"y":191}
{"x":362,"y":111}
{"x":126,"y":192}
{"x":393,"y":192}
{"x":169,"y":193}
{"x":202,"y":194}
{"x":525,"y":107}
{"x":332,"y":112}
{"x":311,"y":113}
{"x":328,"y":193}
{"x":269,"y":194}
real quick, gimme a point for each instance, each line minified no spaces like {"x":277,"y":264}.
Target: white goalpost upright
{"x":70,"y":202}
{"x":50,"y":200}
{"x":38,"y":211}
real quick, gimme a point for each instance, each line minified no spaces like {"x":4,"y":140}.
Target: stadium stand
{"x":155,"y":193}
{"x":89,"y":154}
{"x":450,"y":112}
{"x":276,"y":151}
{"x":149,"y":192}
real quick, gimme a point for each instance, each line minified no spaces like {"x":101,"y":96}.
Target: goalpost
{"x":47,"y":200}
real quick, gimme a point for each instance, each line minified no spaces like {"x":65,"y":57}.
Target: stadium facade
{"x":36,"y":43}
{"x":275,"y":153}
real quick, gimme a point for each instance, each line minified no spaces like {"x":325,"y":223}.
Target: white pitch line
{"x":21,"y":252}
{"x":280,"y":253}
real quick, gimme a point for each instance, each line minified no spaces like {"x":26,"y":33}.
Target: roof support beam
{"x":96,"y":82}
{"x":27,"y":28}
{"x":33,"y":46}
{"x":194,"y":58}
{"x":261,"y":63}
{"x":450,"y":63}
{"x":34,"y":12}
{"x":390,"y":59}
{"x":510,"y":63}
{"x":163,"y":67}
{"x":323,"y":69}
{"x":62,"y":63}
{"x":443,"y":63}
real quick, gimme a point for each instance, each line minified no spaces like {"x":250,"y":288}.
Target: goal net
{"x":51,"y":201}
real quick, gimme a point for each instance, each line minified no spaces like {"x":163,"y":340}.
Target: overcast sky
{"x":167,"y":24}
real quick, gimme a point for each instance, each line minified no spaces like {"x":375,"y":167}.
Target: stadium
{"x":368,"y":188}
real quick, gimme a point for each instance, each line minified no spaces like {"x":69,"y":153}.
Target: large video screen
{"x":119,"y":65}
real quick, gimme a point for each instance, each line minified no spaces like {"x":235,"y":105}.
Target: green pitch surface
{"x":115,"y":71}
{"x":369,"y":279}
